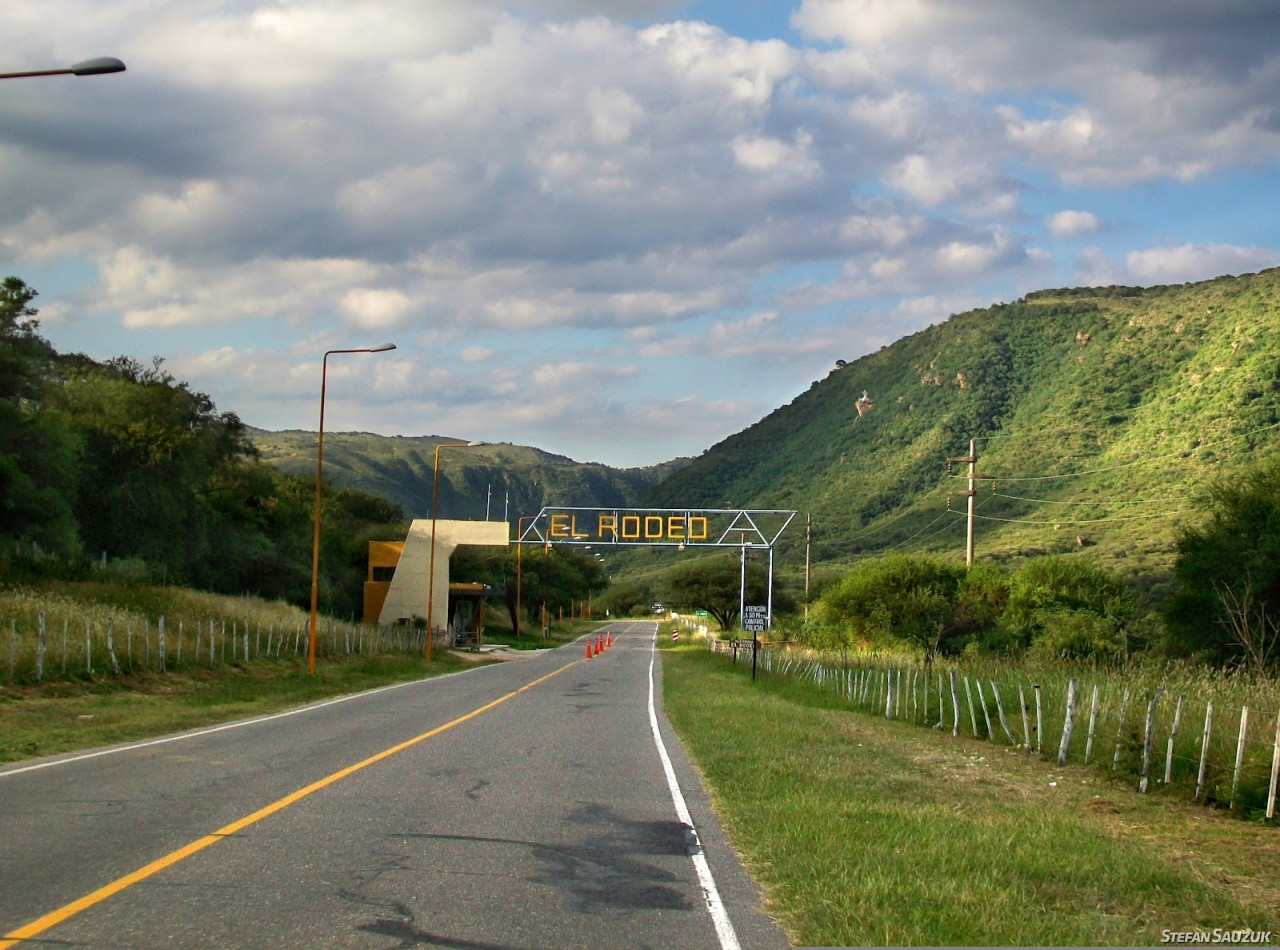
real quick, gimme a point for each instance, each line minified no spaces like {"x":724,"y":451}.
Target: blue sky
{"x":619,"y":230}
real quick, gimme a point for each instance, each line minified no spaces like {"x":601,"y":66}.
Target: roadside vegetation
{"x":866,"y":832}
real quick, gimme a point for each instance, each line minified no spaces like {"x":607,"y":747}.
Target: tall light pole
{"x":431,"y":581}
{"x":519,"y":550}
{"x":89,"y":67}
{"x":315,"y":543}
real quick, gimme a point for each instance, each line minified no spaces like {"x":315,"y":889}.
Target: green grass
{"x":867,"y":832}
{"x":66,"y":716}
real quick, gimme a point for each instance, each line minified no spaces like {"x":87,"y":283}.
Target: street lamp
{"x":315,"y":544}
{"x":431,"y":581}
{"x":520,"y":550}
{"x":89,"y":67}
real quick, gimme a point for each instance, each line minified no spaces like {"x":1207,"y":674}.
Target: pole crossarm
{"x":660,"y":527}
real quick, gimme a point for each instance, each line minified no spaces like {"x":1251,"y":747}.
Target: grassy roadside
{"x":63,"y":717}
{"x":867,"y":833}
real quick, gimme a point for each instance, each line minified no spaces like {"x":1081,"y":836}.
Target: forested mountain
{"x":115,"y":468}
{"x":1101,"y":416}
{"x":490,"y":478}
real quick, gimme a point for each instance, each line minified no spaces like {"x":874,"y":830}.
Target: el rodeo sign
{"x":716,"y":527}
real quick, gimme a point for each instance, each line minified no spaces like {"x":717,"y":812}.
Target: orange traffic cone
{"x":608,"y":639}
{"x":589,"y":654}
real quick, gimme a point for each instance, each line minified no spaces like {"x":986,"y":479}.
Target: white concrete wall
{"x":407,"y":597}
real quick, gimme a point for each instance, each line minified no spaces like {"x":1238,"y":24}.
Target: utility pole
{"x":972,"y":459}
{"x":807,"y":538}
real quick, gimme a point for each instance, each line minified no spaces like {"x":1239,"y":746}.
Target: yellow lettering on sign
{"x":652,"y":527}
{"x":697,"y":528}
{"x":675,"y":528}
{"x":558,"y":527}
{"x":631,"y":526}
{"x":607,"y":523}
{"x":573,"y":529}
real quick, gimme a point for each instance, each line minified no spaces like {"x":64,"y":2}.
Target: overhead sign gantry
{"x":676,"y":527}
{"x":681,"y":528}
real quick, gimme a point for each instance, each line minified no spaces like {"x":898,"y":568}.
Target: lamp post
{"x":315,"y":543}
{"x":519,"y":550}
{"x":89,"y":67}
{"x":431,"y":580}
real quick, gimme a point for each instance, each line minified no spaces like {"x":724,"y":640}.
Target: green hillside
{"x":400,"y":469}
{"x":1101,"y":415}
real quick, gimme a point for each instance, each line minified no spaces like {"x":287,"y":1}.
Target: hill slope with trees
{"x":474,"y":482}
{"x":1101,"y":416}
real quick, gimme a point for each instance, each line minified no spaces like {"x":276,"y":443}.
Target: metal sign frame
{"x":676,"y":527}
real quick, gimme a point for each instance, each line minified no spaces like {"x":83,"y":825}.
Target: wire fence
{"x":1215,"y":749}
{"x":39,"y":651}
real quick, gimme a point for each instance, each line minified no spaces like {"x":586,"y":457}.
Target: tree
{"x":38,"y":458}
{"x":1068,"y":606}
{"x":931,"y":603}
{"x":714,"y":585}
{"x":1229,"y":563}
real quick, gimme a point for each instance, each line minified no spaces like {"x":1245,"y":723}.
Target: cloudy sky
{"x":619,"y":230}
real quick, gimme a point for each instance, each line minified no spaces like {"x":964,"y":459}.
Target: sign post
{"x":755,"y":618}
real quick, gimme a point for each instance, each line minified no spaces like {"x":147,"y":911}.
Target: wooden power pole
{"x":972,"y":459}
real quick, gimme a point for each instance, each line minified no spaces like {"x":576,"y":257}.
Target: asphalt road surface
{"x":519,"y":805}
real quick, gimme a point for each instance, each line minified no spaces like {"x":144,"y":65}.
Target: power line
{"x":1156,"y":514}
{"x":1140,"y":461}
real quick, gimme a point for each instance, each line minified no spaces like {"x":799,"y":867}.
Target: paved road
{"x":518,"y":805}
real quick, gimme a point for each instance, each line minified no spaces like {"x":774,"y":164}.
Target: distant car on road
{"x":657,"y":608}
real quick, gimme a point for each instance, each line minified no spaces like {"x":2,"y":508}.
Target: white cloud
{"x":1172,"y":265}
{"x":590,"y":185}
{"x":1069,"y":224}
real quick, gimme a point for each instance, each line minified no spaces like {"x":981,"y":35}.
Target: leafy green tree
{"x":714,"y":585}
{"x":152,"y":453}
{"x":1068,"y":606}
{"x":928,"y":602}
{"x":38,"y":458}
{"x":1228,"y":570}
{"x":627,"y":599}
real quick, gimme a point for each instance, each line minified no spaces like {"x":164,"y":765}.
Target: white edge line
{"x":146,"y":743}
{"x":719,"y":916}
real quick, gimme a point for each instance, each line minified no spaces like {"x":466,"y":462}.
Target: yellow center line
{"x":41,"y":924}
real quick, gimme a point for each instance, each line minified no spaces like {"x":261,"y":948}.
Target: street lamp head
{"x":382,"y":348}
{"x":472,"y":445}
{"x":98,"y":66}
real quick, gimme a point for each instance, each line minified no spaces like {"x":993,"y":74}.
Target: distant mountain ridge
{"x":1101,"y":415}
{"x":486,"y":479}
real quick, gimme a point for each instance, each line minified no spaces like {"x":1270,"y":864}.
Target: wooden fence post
{"x":1093,"y":718}
{"x":1147,"y":734}
{"x":1039,"y":721}
{"x":1275,"y":771}
{"x":1068,"y":722}
{"x":986,"y":716}
{"x":955,"y":705}
{"x":1235,"y":775}
{"x":1168,"y":752}
{"x":1000,"y":711}
{"x":1124,"y":705}
{"x":111,"y":647}
{"x":1204,"y":748}
{"x":1026,"y":730}
{"x":973,"y":716}
{"x":41,"y":646}
{"x":160,"y":643}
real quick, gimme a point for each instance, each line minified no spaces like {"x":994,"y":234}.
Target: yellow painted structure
{"x":404,"y":597}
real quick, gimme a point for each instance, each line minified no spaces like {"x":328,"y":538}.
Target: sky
{"x":617,"y":230}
